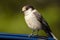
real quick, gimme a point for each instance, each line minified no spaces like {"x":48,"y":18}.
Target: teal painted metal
{"x":23,"y":37}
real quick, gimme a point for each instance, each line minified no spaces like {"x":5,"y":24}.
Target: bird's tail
{"x":53,"y":36}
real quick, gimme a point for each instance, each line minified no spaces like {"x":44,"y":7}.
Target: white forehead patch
{"x":24,"y":8}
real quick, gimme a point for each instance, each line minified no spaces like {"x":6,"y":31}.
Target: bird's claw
{"x":30,"y":35}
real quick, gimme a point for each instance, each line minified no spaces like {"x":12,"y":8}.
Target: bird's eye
{"x":27,"y":8}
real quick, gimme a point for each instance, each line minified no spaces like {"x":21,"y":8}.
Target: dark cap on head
{"x":26,"y":7}
{"x":29,"y":6}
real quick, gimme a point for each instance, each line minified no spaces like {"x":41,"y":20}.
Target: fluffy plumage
{"x":35,"y":20}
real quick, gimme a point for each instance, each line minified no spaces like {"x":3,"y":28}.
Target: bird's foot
{"x":30,"y":35}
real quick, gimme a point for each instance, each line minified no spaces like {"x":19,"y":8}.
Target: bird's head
{"x":27,"y":8}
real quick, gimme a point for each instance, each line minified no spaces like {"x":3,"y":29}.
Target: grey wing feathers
{"x":45,"y":25}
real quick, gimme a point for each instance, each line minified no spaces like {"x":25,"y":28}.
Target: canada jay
{"x":35,"y":21}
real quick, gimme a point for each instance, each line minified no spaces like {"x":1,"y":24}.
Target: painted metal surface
{"x":23,"y":37}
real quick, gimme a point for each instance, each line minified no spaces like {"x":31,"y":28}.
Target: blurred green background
{"x":12,"y":18}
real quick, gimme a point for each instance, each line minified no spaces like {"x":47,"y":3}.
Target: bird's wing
{"x":39,"y":17}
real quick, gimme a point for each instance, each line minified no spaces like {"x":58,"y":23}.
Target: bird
{"x":35,"y":21}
